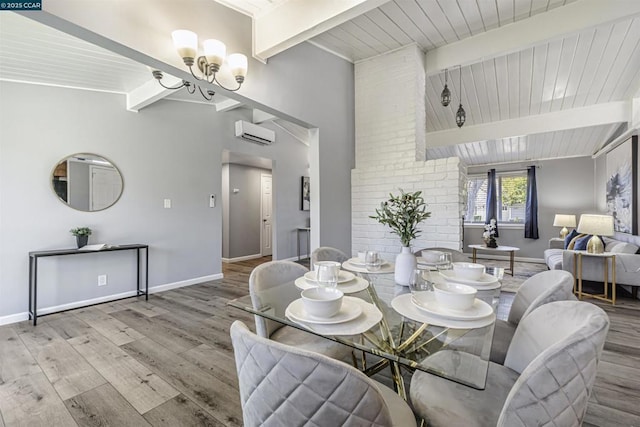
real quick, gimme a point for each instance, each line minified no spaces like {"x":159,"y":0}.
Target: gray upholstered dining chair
{"x":326,"y":253}
{"x":537,"y":290}
{"x":271,"y":286}
{"x":546,"y":379}
{"x":456,"y":256}
{"x":285,"y":386}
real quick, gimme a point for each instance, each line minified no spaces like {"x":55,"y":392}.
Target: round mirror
{"x":87,"y":182}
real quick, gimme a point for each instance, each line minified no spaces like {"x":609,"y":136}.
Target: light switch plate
{"x":212,"y":201}
{"x":167,"y":203}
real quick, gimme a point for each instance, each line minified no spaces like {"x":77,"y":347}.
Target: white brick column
{"x":390,"y":151}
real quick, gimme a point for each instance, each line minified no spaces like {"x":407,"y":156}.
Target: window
{"x":512,"y":193}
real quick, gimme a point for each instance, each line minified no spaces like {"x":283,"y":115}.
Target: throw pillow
{"x":573,"y":241}
{"x":569,"y":237}
{"x":581,"y":243}
{"x":624,"y":248}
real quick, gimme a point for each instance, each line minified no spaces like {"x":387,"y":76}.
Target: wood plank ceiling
{"x":593,"y":66}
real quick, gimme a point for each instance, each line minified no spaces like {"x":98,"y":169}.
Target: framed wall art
{"x":305,"y":194}
{"x":622,"y":183}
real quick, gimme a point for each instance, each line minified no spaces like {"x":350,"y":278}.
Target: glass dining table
{"x":391,"y":326}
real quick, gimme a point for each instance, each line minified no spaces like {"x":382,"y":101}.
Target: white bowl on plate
{"x":322,"y":302}
{"x":454,"y":296}
{"x":468,"y":270}
{"x":431,"y":256}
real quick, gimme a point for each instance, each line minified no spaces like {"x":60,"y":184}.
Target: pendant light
{"x":445,"y":97}
{"x":461,"y":116}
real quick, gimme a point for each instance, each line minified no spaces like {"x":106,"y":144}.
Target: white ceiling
{"x":593,"y":66}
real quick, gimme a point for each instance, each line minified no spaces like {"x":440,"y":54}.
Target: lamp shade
{"x":185,"y":42}
{"x":599,"y":225}
{"x":238,"y":64}
{"x":561,"y":220}
{"x":214,"y":51}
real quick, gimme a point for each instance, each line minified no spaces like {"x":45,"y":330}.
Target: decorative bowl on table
{"x":431,"y":257}
{"x":454,"y":296}
{"x":468,"y":270}
{"x":322,"y":302}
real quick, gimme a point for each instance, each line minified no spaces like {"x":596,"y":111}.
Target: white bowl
{"x":468,"y":270}
{"x":322,"y":302}
{"x":331,"y":263}
{"x":431,"y":256}
{"x":454,"y":296}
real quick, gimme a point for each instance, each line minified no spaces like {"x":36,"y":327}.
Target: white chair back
{"x":540,"y":289}
{"x":284,"y":386}
{"x":556,"y":349}
{"x":271,"y":288}
{"x":326,"y":253}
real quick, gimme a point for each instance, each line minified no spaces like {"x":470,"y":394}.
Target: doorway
{"x":247,"y":207}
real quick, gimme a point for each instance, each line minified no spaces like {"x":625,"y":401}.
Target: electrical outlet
{"x":212,"y":201}
{"x":102,"y":280}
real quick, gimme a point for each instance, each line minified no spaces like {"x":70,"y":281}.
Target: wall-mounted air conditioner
{"x":254,"y":133}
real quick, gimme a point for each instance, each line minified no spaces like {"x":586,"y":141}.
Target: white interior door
{"x":106,"y":186}
{"x":266,"y":208}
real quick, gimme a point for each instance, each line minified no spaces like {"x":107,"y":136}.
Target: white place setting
{"x":450,"y":305}
{"x":471,"y":274}
{"x":327,"y":311}
{"x":368,"y":262}
{"x":356,"y":284}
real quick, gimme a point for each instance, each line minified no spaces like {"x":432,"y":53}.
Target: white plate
{"x":356,"y":285}
{"x":425,"y":262}
{"x":343,"y":276}
{"x":357,"y":262}
{"x":369,"y":318}
{"x":426,"y":301}
{"x":403,"y":305}
{"x":486,"y":281}
{"x":349,"y":311}
{"x":385,"y":267}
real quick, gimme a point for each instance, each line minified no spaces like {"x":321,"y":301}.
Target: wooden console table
{"x":577,"y":273}
{"x":33,"y":270}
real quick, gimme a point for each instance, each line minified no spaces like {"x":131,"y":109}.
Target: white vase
{"x":405,"y":264}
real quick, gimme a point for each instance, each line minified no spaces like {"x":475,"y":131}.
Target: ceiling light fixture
{"x":445,"y":97}
{"x":461,"y":116}
{"x":186,"y":43}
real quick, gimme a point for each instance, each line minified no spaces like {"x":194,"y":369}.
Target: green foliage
{"x":514,"y":190}
{"x":81,"y":231}
{"x":403,"y":214}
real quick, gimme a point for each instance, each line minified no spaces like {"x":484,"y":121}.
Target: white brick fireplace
{"x":390,"y":155}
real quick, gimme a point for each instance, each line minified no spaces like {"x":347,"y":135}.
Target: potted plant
{"x":489,"y":234}
{"x":82,"y":235}
{"x":403,"y":213}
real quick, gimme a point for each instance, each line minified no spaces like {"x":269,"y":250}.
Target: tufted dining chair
{"x":285,"y":386}
{"x":272,"y":288}
{"x":546,"y":379}
{"x":326,"y":253}
{"x":537,"y":290}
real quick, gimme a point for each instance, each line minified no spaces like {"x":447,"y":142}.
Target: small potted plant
{"x":403,"y":214}
{"x":489,"y":234}
{"x":82,"y":235}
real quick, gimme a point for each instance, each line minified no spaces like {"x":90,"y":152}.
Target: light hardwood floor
{"x":169,"y":362}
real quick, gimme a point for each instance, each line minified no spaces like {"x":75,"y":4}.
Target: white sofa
{"x":625,"y":246}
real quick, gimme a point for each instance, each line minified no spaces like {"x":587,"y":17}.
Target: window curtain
{"x":492,"y":199}
{"x":531,"y":208}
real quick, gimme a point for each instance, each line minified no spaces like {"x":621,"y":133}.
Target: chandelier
{"x":445,"y":97}
{"x":461,"y":116}
{"x":186,"y":43}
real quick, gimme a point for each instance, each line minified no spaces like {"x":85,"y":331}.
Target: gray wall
{"x":564,"y":186}
{"x":170,"y":150}
{"x":244,"y":221}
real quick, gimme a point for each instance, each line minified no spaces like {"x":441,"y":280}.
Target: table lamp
{"x":564,"y":221}
{"x":596,"y":225}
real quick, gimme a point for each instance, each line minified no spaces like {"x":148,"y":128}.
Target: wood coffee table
{"x":511,"y":249}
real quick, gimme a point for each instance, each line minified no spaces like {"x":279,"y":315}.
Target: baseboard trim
{"x":241,"y":258}
{"x":19,"y":317}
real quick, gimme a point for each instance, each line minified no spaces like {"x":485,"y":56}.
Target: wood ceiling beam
{"x":150,"y":92}
{"x":556,"y":23}
{"x":294,"y":22}
{"x":593,"y":115}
